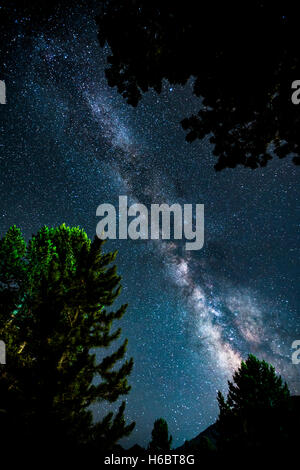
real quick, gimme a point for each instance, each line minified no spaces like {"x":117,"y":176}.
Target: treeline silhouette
{"x":54,"y":295}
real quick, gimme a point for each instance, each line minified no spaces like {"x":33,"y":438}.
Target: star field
{"x":69,"y":143}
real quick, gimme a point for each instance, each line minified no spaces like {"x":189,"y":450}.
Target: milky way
{"x":70,"y":143}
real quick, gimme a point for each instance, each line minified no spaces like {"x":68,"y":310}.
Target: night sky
{"x":69,"y":143}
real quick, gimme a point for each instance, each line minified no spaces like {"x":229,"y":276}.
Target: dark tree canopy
{"x":54,"y":295}
{"x":243,"y":57}
{"x":256,"y":409}
{"x":161,"y":441}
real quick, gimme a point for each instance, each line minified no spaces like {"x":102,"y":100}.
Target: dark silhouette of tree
{"x":54,"y":294}
{"x":256,"y":409}
{"x":161,"y":441}
{"x":243,"y":57}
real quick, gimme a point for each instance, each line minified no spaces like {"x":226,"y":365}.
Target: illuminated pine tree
{"x":54,"y":297}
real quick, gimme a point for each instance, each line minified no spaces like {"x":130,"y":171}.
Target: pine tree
{"x":54,"y":295}
{"x":254,"y":413}
{"x":161,"y":441}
